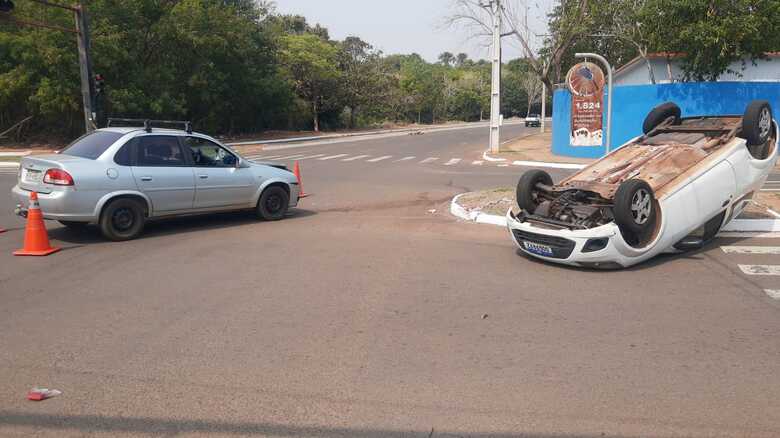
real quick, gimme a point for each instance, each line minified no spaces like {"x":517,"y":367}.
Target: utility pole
{"x":87,"y":91}
{"x":494,"y":6}
{"x":82,"y":38}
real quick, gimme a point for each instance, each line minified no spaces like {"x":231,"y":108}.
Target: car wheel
{"x":526,"y":188}
{"x":273,"y":203}
{"x":634,"y":207}
{"x":122,"y":219}
{"x":659,"y":115}
{"x":757,"y":123}
{"x":74,"y":225}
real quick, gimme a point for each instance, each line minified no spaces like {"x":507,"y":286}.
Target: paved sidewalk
{"x":535,"y":147}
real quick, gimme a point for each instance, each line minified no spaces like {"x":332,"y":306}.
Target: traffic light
{"x":6,"y":6}
{"x":99,"y":83}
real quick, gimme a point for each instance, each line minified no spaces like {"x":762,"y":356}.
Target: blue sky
{"x":393,"y":26}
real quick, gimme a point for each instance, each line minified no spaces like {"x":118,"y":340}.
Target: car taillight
{"x":58,"y":177}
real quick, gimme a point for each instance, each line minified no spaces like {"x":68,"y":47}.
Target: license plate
{"x":32,"y":176}
{"x":543,"y":250}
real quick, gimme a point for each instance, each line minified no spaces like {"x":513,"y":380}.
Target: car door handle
{"x":203,"y":176}
{"x":146,"y":178}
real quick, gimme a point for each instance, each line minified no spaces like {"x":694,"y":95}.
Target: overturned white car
{"x":671,"y":189}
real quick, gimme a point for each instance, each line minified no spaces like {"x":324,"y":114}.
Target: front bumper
{"x":569,"y":246}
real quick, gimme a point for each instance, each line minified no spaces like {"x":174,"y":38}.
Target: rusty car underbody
{"x":664,"y":158}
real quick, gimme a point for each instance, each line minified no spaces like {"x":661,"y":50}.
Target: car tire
{"x":659,"y":114}
{"x":74,"y":225}
{"x":527,"y":185}
{"x":122,"y":219}
{"x":757,"y":123}
{"x":634,"y":208}
{"x":273,"y":203}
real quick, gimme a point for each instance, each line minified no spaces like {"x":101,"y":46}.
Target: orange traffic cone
{"x":36,"y":241}
{"x":297,"y":172}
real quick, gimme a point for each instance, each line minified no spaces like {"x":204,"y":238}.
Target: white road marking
{"x":288,"y":157}
{"x":405,"y":159}
{"x":773,"y":293}
{"x":751,"y":249}
{"x":751,"y":234}
{"x":310,"y":157}
{"x":332,"y":157}
{"x":356,"y":157}
{"x":503,"y":165}
{"x":452,"y":162}
{"x":760,"y":269}
{"x":477,"y":163}
{"x":379,"y":159}
{"x":429,"y":160}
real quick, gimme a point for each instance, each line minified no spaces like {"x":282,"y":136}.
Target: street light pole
{"x":608,"y":144}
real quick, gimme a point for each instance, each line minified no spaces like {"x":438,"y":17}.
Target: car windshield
{"x":92,"y":145}
{"x":533,"y":116}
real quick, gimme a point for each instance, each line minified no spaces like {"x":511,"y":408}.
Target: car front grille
{"x":560,"y":246}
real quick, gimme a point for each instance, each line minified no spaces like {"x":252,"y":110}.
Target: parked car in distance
{"x":533,"y":120}
{"x":669,"y":190}
{"x":120,"y":177}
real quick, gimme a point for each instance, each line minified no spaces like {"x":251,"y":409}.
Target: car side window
{"x":124,"y":157}
{"x":159,"y":151}
{"x":206,"y":153}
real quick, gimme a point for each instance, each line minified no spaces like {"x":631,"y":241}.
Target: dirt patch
{"x":495,"y":201}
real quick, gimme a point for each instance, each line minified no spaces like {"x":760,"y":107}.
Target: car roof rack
{"x":147,"y":123}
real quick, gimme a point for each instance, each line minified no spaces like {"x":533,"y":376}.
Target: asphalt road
{"x":364,"y":314}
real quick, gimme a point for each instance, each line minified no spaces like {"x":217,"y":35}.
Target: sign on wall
{"x":586,"y":83}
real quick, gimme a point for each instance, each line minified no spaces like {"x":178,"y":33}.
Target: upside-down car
{"x":669,"y":190}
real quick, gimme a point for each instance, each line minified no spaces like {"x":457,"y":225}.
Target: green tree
{"x":712,"y":34}
{"x":312,"y":65}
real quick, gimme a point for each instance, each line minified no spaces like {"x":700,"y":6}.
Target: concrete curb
{"x":8,"y":164}
{"x":755,"y":227}
{"x":366,"y":133}
{"x":475,"y":216}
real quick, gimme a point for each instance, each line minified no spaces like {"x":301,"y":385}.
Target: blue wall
{"x":633,"y":102}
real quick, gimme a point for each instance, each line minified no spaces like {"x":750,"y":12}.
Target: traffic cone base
{"x":44,"y":252}
{"x":36,"y":240}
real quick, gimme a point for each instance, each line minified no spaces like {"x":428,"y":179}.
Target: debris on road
{"x":484,"y":316}
{"x":39,"y":394}
{"x":432,"y":211}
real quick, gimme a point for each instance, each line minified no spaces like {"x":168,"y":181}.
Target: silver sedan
{"x":120,"y":177}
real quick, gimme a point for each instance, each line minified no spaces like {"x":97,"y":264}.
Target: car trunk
{"x":34,"y":168}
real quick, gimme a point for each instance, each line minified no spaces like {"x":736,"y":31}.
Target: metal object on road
{"x":608,"y":137}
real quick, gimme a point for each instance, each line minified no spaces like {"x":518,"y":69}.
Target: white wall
{"x":764,"y":71}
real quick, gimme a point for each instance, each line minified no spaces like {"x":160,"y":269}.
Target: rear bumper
{"x":56,"y":205}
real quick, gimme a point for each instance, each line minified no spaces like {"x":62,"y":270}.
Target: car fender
{"x":107,"y":197}
{"x":265,"y":184}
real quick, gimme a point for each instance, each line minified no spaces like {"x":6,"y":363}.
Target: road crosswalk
{"x":348,"y":158}
{"x":745,"y":253}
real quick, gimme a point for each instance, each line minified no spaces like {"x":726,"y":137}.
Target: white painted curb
{"x":8,"y":164}
{"x":475,"y":216}
{"x":754,"y":226}
{"x":545,"y":164}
